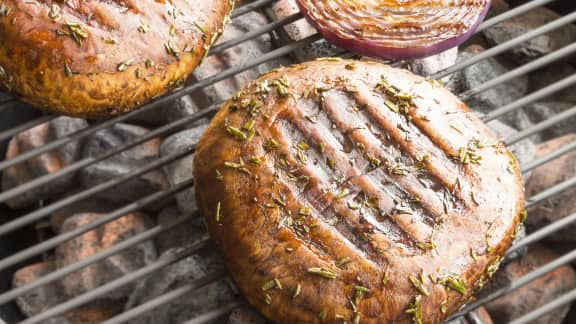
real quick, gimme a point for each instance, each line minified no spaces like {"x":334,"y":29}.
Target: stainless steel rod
{"x":543,"y":232}
{"x":520,"y":71}
{"x":532,"y":316}
{"x":549,"y":157}
{"x":216,"y":313}
{"x":498,"y":49}
{"x":166,"y":298}
{"x":563,"y":116}
{"x":63,"y":272}
{"x":531,"y":276}
{"x":46,"y":210}
{"x":115,"y":284}
{"x":513,"y":13}
{"x":534,"y":96}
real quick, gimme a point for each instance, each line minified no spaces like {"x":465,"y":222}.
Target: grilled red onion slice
{"x":395,"y":29}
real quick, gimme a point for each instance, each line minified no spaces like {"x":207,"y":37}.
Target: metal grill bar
{"x":173,"y":96}
{"x":513,"y":13}
{"x":7,"y":104}
{"x":22,"y":127}
{"x":45,"y":211}
{"x":163,"y":100}
{"x":74,"y":303}
{"x":526,"y":100}
{"x":565,"y":115}
{"x":53,"y":242}
{"x":169,"y":297}
{"x":214,"y":314}
{"x":78,"y":165}
{"x":167,"y":129}
{"x":549,"y":157}
{"x":529,"y":67}
{"x":534,"y":315}
{"x":255,"y":33}
{"x":170,"y":128}
{"x":61,"y":273}
{"x":46,"y":245}
{"x":508,"y":45}
{"x":550,"y":192}
{"x":251,"y":7}
{"x":543,"y":232}
{"x":115,"y":284}
{"x":531,"y":276}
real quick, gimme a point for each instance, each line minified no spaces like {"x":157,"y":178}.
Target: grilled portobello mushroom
{"x":97,"y":59}
{"x":351,"y":191}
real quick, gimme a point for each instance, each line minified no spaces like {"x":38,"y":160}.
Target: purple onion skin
{"x":377,"y":51}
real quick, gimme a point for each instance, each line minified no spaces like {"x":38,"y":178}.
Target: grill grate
{"x":42,"y":212}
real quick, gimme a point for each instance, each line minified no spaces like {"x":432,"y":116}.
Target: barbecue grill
{"x":26,"y":221}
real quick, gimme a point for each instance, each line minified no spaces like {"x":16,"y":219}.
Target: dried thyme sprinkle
{"x":296,"y":292}
{"x":267,"y":299}
{"x":419,"y":285}
{"x":304,"y":211}
{"x":329,"y":274}
{"x":124,"y":65}
{"x":415,"y":309}
{"x":360,"y":290}
{"x":278,"y":284}
{"x":77,"y":32}
{"x":344,"y":261}
{"x":232,"y":165}
{"x":200,"y":27}
{"x":321,"y":147}
{"x":144,"y":27}
{"x":171,"y":49}
{"x":444,"y":307}
{"x":456,"y":284}
{"x":385,"y":278}
{"x":236,"y":133}
{"x":343,"y":193}
{"x":322,"y":315}
{"x":218,"y":215}
{"x":67,"y":70}
{"x":331,"y":164}
{"x":392,"y":106}
{"x":111,"y":41}
{"x":430,"y":245}
{"x":397,"y":170}
{"x":249,"y":125}
{"x":303,"y":146}
{"x":356,"y":319}
{"x":272,"y":284}
{"x":255,"y":160}
{"x":54,"y":13}
{"x":421,"y":161}
{"x":302,"y":157}
{"x":523,"y":215}
{"x":493,"y":267}
{"x":271,"y":145}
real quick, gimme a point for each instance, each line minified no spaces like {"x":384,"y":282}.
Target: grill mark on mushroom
{"x":398,"y":227}
{"x":407,"y":182}
{"x":342,"y":222}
